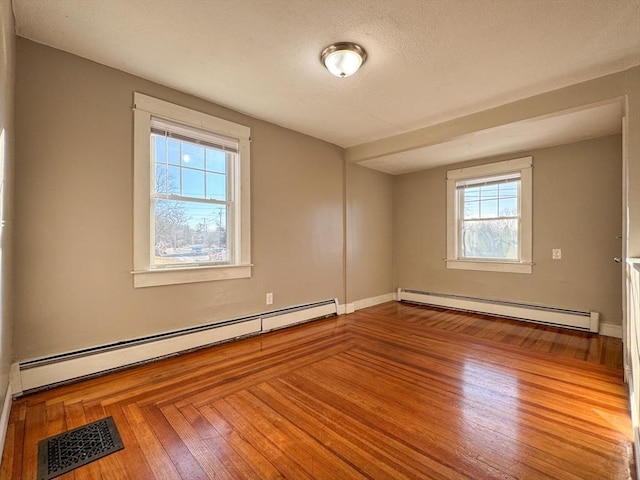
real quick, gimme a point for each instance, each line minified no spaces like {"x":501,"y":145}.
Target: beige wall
{"x":74,"y":201}
{"x":369,"y":233}
{"x":576,"y":207}
{"x":7,"y":70}
{"x":633,"y":161}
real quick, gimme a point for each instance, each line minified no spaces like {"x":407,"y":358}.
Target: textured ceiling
{"x":429,"y":61}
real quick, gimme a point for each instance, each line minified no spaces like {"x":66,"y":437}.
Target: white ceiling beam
{"x":573,"y":97}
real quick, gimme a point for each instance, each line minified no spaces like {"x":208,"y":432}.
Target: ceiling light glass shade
{"x":343,"y":59}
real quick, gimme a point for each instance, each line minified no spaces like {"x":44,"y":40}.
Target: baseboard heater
{"x":33,"y":375}
{"x":294,"y":315}
{"x":575,"y":319}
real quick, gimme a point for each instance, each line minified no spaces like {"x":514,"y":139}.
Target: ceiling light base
{"x":343,"y":59}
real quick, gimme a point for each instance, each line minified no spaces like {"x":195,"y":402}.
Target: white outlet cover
{"x":556,"y":254}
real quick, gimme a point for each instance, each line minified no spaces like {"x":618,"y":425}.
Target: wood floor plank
{"x":145,"y":455}
{"x":253,"y":457}
{"x":181,"y":457}
{"x":394,"y":391}
{"x":217,"y":445}
{"x":17,"y":422}
{"x":207,"y":456}
{"x":543,"y":417}
{"x":433,"y":451}
{"x":349,"y":447}
{"x":318,"y":461}
{"x":35,"y":430}
{"x":388,"y":450}
{"x":234,"y":374}
{"x":379,"y":401}
{"x":56,"y":421}
{"x":6,"y":469}
{"x":260,"y":440}
{"x":443,"y":364}
{"x":480,"y":407}
{"x":272,"y":366}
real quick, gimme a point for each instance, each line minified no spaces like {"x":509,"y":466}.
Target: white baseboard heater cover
{"x":56,"y":369}
{"x":293,"y":315}
{"x":575,"y":319}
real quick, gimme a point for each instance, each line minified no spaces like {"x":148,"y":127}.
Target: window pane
{"x":192,"y":183}
{"x":489,"y":192}
{"x":162,"y":180}
{"x":490,"y":201}
{"x":192,"y":155}
{"x":216,"y":186}
{"x":508,"y":207}
{"x":509,"y":189}
{"x":160,"y":148}
{"x":471,"y":210}
{"x":216,"y":161}
{"x":172,"y":183}
{"x":471,"y":194}
{"x":490,"y":239}
{"x":173,"y":147}
{"x":189,"y":233}
{"x":489,"y":208}
{"x":219,"y":241}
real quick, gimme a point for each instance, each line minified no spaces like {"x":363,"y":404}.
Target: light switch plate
{"x":556,"y":254}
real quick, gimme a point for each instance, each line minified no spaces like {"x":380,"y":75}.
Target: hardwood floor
{"x":393,"y":391}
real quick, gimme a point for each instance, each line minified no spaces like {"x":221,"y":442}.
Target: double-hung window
{"x":191,"y":195}
{"x":489,"y":217}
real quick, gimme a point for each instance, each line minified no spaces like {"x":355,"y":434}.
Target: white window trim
{"x":143,"y":275}
{"x":525,"y":265}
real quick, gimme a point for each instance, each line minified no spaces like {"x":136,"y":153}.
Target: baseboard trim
{"x":370,"y":302}
{"x":611,"y":330}
{"x":4,"y":417}
{"x":345,"y":308}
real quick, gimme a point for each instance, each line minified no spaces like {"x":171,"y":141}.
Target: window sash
{"x":461,"y":187}
{"x":493,"y":242}
{"x":230,"y":160}
{"x":189,"y":251}
{"x":496,"y":243}
{"x":189,"y":135}
{"x":489,"y":208}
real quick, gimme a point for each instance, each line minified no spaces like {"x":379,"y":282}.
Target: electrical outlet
{"x":556,"y":254}
{"x":269,"y":298}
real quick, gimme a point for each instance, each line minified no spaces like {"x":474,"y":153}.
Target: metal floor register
{"x":72,"y":449}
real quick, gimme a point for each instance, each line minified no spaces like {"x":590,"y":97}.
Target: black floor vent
{"x":69,"y":450}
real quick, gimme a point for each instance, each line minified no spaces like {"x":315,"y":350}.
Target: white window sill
{"x":490,"y":266}
{"x":173,"y":276}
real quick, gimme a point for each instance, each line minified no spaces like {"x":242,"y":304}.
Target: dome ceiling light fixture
{"x":343,"y":59}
